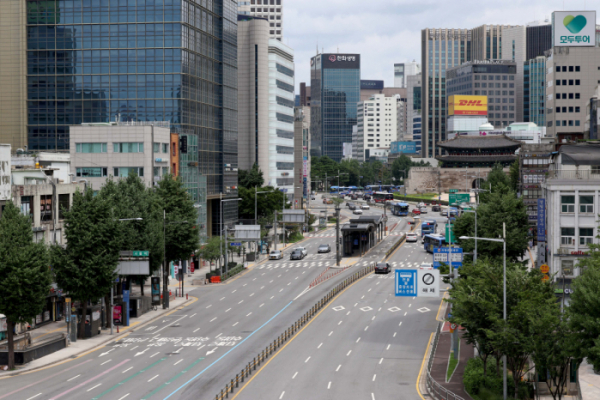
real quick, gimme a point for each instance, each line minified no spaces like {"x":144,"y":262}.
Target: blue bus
{"x":431,"y":242}
{"x":428,"y":227}
{"x":400,"y":209}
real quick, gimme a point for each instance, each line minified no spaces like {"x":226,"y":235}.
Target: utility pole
{"x":275,"y":227}
{"x":337,"y":234}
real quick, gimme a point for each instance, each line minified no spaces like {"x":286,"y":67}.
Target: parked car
{"x":436,"y":207}
{"x":357,"y":211}
{"x":416,"y":211}
{"x":426,"y":266}
{"x":324,"y":248}
{"x":365,"y":207}
{"x":411,"y":237}
{"x":303,"y":250}
{"x":276,"y":255}
{"x":383,"y":267}
{"x":297,"y":254}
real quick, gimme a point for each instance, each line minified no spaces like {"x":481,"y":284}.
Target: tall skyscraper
{"x":534,"y":91}
{"x":139,"y":61}
{"x":272,"y":10}
{"x":413,"y":106}
{"x":404,"y":70}
{"x":335,"y":93}
{"x":514,"y":48}
{"x":376,"y":124}
{"x":487,"y":42}
{"x":440,"y":49}
{"x":539,"y":39}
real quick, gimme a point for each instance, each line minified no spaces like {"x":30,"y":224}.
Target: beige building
{"x":102,"y":150}
{"x":377,"y":120}
{"x":270,"y":10}
{"x":13,"y":70}
{"x":572,"y":74}
{"x":514,"y":48}
{"x":487,"y":42}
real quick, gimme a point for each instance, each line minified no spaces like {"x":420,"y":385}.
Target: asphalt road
{"x":192,"y":352}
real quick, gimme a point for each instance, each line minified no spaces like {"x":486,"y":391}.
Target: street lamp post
{"x":166,"y":263}
{"x":224,"y":228}
{"x":256,"y":193}
{"x":503,"y":240}
{"x":475,"y":251}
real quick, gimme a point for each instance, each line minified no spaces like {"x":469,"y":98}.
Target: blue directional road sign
{"x":440,"y":255}
{"x":406,"y":282}
{"x":235,"y":243}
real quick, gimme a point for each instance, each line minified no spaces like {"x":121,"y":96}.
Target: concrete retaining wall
{"x":427,"y":179}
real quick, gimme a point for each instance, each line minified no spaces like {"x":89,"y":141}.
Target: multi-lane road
{"x":366,"y":344}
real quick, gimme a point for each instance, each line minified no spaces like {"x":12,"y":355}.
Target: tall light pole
{"x":503,"y":240}
{"x":166,"y":266}
{"x":112,"y":285}
{"x":256,"y":193}
{"x":225,"y":228}
{"x":475,"y":251}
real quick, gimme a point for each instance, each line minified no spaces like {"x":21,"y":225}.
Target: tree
{"x":500,"y":207}
{"x":24,"y":273}
{"x":86,"y":267}
{"x":211,"y":251}
{"x":181,"y":232}
{"x":251,"y":178}
{"x":514,"y":176}
{"x":267,"y":203}
{"x":497,"y":181}
{"x":400,"y":167}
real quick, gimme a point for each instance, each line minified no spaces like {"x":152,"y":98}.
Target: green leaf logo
{"x":574,"y":24}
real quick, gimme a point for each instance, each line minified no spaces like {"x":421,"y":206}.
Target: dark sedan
{"x":383,"y":268}
{"x":297,"y":255}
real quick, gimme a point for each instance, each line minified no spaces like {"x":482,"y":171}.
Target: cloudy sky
{"x":389,"y":31}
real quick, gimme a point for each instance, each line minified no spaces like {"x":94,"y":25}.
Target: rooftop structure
{"x":478,"y":151}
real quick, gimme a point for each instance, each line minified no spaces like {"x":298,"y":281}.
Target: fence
{"x":290,"y":332}
{"x":436,"y":390}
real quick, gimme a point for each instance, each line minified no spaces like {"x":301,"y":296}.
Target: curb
{"x":97,"y":347}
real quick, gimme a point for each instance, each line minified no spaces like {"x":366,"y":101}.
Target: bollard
{"x":227,"y":391}
{"x":231,"y":387}
{"x":254,"y":363}
{"x":186,"y":296}
{"x":221,"y":394}
{"x":243,"y":372}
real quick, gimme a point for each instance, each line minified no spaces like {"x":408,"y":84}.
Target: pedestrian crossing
{"x":316,"y":235}
{"x":298,"y":264}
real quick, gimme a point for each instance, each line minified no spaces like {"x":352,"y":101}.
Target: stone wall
{"x":427,"y":179}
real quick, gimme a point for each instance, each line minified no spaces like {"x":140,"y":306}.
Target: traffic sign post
{"x":544,"y":268}
{"x":235,"y":243}
{"x":406,"y":282}
{"x":417,"y":283}
{"x":440,"y":255}
{"x":450,"y":233}
{"x":459,"y":198}
{"x":428,"y":283}
{"x":453,"y":191}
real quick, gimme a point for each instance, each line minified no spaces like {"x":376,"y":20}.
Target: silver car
{"x":276,"y":255}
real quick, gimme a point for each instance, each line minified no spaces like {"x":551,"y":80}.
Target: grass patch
{"x":452,"y":364}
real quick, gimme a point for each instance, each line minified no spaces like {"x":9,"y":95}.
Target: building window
{"x":156,"y":172}
{"x":586,"y":204}
{"x":577,"y":68}
{"x":567,"y":203}
{"x":27,"y":206}
{"x":586,"y":236}
{"x":165,"y":171}
{"x":577,"y":123}
{"x":123,"y":172}
{"x":165,"y":148}
{"x":63,"y":204}
{"x":156,"y":147}
{"x":577,"y":96}
{"x":133,"y":147}
{"x":577,"y":82}
{"x":92,"y":172}
{"x":595,"y":169}
{"x":567,"y":267}
{"x":91,"y":147}
{"x":567,"y":236}
{"x":46,"y":207}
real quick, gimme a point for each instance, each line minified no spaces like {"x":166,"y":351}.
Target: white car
{"x":303,"y":250}
{"x":426,"y":266}
{"x":365,"y":207}
{"x":276,"y":255}
{"x":357,"y":211}
{"x":421,"y":204}
{"x":411,"y":237}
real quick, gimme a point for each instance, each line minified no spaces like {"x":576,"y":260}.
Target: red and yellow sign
{"x":544,"y":268}
{"x":467,"y":105}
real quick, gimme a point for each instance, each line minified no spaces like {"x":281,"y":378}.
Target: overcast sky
{"x":387,"y":31}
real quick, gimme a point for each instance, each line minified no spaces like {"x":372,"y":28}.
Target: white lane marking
{"x":388,"y":347}
{"x":380,"y":361}
{"x":379,"y":309}
{"x":244,"y":284}
{"x":221,"y":299}
{"x":372,"y":396}
{"x":362,"y":297}
{"x":228,"y":309}
{"x":261,"y":305}
{"x":369,"y":290}
{"x":218,"y":335}
{"x":295,"y":375}
{"x":338,"y":368}
{"x":271,"y":281}
{"x":178,"y":362}
{"x":155,"y":354}
{"x":124,"y":396}
{"x":374,"y":376}
{"x":196,"y":330}
{"x":366,"y":327}
{"x":251,"y":295}
{"x":330,"y":333}
{"x":154,"y":377}
{"x":349,"y":351}
{"x":241,"y":301}
{"x":262,"y":287}
{"x":127,"y":370}
{"x":213,"y":319}
{"x":247,"y":315}
{"x":76,"y":376}
{"x":405,"y":313}
{"x":235,"y":324}
{"x":282,"y":393}
{"x":177,"y":352}
{"x":400,"y":324}
{"x":208,"y":306}
{"x":92,"y":388}
{"x":307,"y":359}
{"x":373,"y":318}
{"x":355,"y":304}
{"x":133,"y":348}
{"x":348,"y":313}
{"x":357,"y":340}
{"x":281,"y":291}
{"x":319,"y":346}
{"x":271,"y":298}
{"x":409,"y":305}
{"x":329,"y":385}
{"x":34,"y":396}
{"x":395,"y":334}
{"x":254,"y":279}
{"x":234,"y":291}
{"x":106,"y":362}
{"x":339,"y":323}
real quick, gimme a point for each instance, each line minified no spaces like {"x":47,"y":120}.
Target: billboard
{"x":368,"y":84}
{"x":574,"y":28}
{"x":541,"y":220}
{"x":340,"y":61}
{"x":403,"y":147}
{"x":467,"y":105}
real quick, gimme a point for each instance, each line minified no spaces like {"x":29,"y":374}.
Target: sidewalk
{"x":589,"y":382}
{"x":82,"y":346}
{"x":440,"y":364}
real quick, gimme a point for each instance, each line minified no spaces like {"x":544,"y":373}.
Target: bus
{"x":380,"y":188}
{"x":428,"y":227}
{"x":382,"y":197}
{"x":400,"y":209}
{"x":431,"y":242}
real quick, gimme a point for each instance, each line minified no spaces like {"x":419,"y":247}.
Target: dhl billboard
{"x":467,"y":105}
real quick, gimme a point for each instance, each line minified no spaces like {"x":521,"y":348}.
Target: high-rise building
{"x":514,"y":48}
{"x":335,"y":93}
{"x":136,"y":61}
{"x":376,"y":124}
{"x":413,"y":105}
{"x":440,"y":49}
{"x":534,"y":91}
{"x":487,"y":42}
{"x":268,"y":9}
{"x":539,"y":39}
{"x":404,"y":70}
{"x":301,"y":155}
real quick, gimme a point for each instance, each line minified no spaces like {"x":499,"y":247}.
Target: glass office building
{"x":534,"y":91}
{"x":139,"y":60}
{"x":335,"y":89}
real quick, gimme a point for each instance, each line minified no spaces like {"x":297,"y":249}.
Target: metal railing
{"x":436,"y":390}
{"x":290,"y":332}
{"x":574,"y":174}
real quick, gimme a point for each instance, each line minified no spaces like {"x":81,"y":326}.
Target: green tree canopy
{"x":251,"y":178}
{"x":514,"y":176}
{"x":24,"y":272}
{"x":86,"y":267}
{"x":267,"y":203}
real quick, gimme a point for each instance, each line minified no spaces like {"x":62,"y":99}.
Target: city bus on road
{"x":382,"y":197}
{"x":400,"y":209}
{"x":428,"y":227}
{"x":431,"y":242}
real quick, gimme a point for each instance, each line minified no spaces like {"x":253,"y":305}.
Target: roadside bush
{"x":489,"y":387}
{"x":295,"y":237}
{"x":232,"y":272}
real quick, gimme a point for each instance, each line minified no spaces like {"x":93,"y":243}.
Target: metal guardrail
{"x":436,"y":390}
{"x":290,"y":332}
